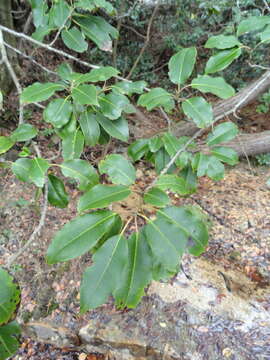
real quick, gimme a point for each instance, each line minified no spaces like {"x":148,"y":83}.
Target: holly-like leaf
{"x":82,"y":171}
{"x":90,"y":128}
{"x":101,"y":196}
{"x":199,"y":110}
{"x":119,"y":169}
{"x":138,"y":149}
{"x":216,"y":86}
{"x":113,"y":104}
{"x":5,"y":144}
{"x":137,"y":273}
{"x":181,"y":65}
{"x":74,"y":39}
{"x":225,"y":154}
{"x":252,"y":23}
{"x":155,"y":98}
{"x":58,"y":112}
{"x":85,"y":94}
{"x":73,"y":145}
{"x":40,"y":92}
{"x":57,"y":195}
{"x":24,"y":132}
{"x":102,"y":278}
{"x":81,"y":235}
{"x":173,"y":183}
{"x":116,"y":128}
{"x":156,"y":197}
{"x":222,"y":133}
{"x":222,"y":60}
{"x":222,"y":42}
{"x":9,"y":339}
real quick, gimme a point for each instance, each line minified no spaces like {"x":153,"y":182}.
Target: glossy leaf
{"x":85,"y":94}
{"x":90,"y":128}
{"x":222,"y":133}
{"x":138,"y":149}
{"x":216,"y":86}
{"x":21,"y":169}
{"x":81,"y":235}
{"x":72,"y":145}
{"x":95,"y":4}
{"x":31,"y":170}
{"x":69,"y":129}
{"x":156,"y":197}
{"x":59,"y":13}
{"x":9,"y":297}
{"x":222,"y":60}
{"x":9,"y":343}
{"x":155,"y":143}
{"x":82,"y":171}
{"x":173,"y":183}
{"x":58,"y":112}
{"x":102,"y":74}
{"x":102,"y":278}
{"x":252,"y":23}
{"x":137,"y":273}
{"x":5,"y":144}
{"x":130,"y":87}
{"x":225,"y":154}
{"x":40,"y":92}
{"x":57,"y":195}
{"x":101,"y":196}
{"x":181,"y":65}
{"x":215,"y":170}
{"x":74,"y":39}
{"x":172,"y":145}
{"x":222,"y":42}
{"x":112,"y":105}
{"x":199,"y":110}
{"x":116,"y":128}
{"x":24,"y":132}
{"x":119,"y":169}
{"x":155,"y":98}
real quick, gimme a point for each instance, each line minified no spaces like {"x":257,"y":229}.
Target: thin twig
{"x":258,"y":66}
{"x":134,"y":30}
{"x":266,"y":5}
{"x":12,"y":74}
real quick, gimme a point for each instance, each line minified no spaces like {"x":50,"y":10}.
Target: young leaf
{"x":137,"y":273}
{"x":101,"y":279}
{"x":216,"y":86}
{"x":57,"y":195}
{"x":113,"y":104}
{"x":222,"y":60}
{"x":199,"y":110}
{"x":90,"y":128}
{"x":82,"y":171}
{"x":225,"y":154}
{"x":156,"y":197}
{"x":5,"y":144}
{"x":138,"y":149}
{"x":222,"y":133}
{"x":81,"y":235}
{"x":40,"y":92}
{"x":73,"y":145}
{"x":155,"y":98}
{"x":130,"y":87}
{"x":58,"y":112}
{"x":116,"y":128}
{"x":9,"y":339}
{"x":59,"y":13}
{"x":222,"y":42}
{"x":24,"y":132}
{"x":118,"y":168}
{"x":181,"y":65}
{"x":85,"y":94}
{"x":101,"y":196}
{"x":252,"y":23}
{"x":172,"y":182}
{"x":74,"y":39}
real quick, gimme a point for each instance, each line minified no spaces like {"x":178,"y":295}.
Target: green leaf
{"x":265,"y":35}
{"x":101,"y":279}
{"x":80,"y":235}
{"x":101,"y":196}
{"x":113,"y":104}
{"x":181,"y":65}
{"x":41,"y":32}
{"x":85,"y":94}
{"x":8,"y":339}
{"x":172,"y":182}
{"x":156,"y":197}
{"x":9,"y":297}
{"x":190,"y":180}
{"x":90,"y":128}
{"x":102,"y":74}
{"x":200,"y":163}
{"x":172,"y":145}
{"x":95,"y":4}
{"x":199,"y":110}
{"x":58,"y":112}
{"x":119,"y":169}
{"x":59,"y":13}
{"x":5,"y":144}
{"x":215,"y":170}
{"x":31,"y":170}
{"x":155,"y":98}
{"x":24,"y":132}
{"x":155,"y":143}
{"x":222,"y":133}
{"x":222,"y":60}
{"x":137,"y":273}
{"x":82,"y":171}
{"x":64,"y":70}
{"x":40,"y":92}
{"x":137,"y":149}
{"x":116,"y":128}
{"x":130,"y":87}
{"x":225,"y":154}
{"x":73,"y":145}
{"x":216,"y":86}
{"x":21,"y":169}
{"x":39,"y":9}
{"x":161,"y":159}
{"x":69,"y":129}
{"x":222,"y":42}
{"x":252,"y":23}
{"x":98,"y":30}
{"x":74,"y":39}
{"x":57,"y":195}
